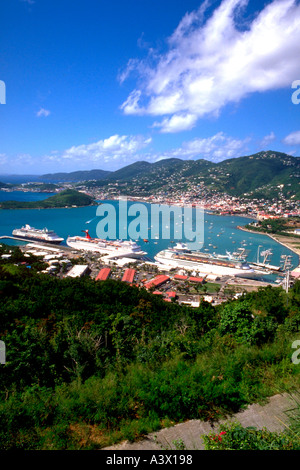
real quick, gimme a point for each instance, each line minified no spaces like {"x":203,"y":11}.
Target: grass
{"x":209,"y":287}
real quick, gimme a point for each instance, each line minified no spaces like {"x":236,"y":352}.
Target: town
{"x":173,"y":285}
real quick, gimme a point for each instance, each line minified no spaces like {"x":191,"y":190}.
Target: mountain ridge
{"x":241,"y":176}
{"x":255,"y":175}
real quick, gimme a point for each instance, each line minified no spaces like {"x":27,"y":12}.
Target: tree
{"x":237,"y":319}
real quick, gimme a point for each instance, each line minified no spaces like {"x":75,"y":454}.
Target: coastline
{"x":287,"y":242}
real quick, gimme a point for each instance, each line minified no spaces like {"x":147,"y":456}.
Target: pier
{"x":14,"y":238}
{"x":41,"y":244}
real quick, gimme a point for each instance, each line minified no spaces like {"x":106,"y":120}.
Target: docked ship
{"x":112,"y":249}
{"x":181,"y":257}
{"x":42,"y":235}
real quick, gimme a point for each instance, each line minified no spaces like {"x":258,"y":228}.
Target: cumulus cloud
{"x":43,"y":112}
{"x":177,"y":122}
{"x":20,"y":164}
{"x":212,"y":62}
{"x":292,"y":139}
{"x":115,"y":149}
{"x":118,"y":151}
{"x":267,"y":140}
{"x":214,"y":148}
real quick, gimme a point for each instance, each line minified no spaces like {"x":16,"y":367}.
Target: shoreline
{"x":287,"y":242}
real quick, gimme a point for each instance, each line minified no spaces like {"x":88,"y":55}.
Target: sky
{"x":103,"y":84}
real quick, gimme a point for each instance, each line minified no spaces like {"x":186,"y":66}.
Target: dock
{"x":38,"y":243}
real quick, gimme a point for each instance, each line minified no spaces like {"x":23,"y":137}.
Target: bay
{"x":23,"y":196}
{"x":220,"y":232}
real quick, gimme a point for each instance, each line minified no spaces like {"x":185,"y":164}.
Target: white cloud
{"x":177,"y":122}
{"x":215,"y":62}
{"x":292,"y":139}
{"x":267,"y":140}
{"x":215,"y":148}
{"x":115,"y":148}
{"x":118,"y":151}
{"x":43,"y":113}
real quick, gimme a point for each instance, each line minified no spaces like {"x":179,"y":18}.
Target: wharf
{"x":38,"y":243}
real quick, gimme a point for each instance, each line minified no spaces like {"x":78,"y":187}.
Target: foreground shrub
{"x":233,"y":436}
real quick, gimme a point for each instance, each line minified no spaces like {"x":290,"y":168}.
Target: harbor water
{"x":221,"y":234}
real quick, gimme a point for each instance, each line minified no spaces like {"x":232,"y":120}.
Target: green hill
{"x":247,"y":175}
{"x":66,"y":198}
{"x":266,"y":174}
{"x":263,"y":173}
{"x":75,"y":176}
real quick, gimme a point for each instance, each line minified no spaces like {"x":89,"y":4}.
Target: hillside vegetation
{"x":265,"y":173}
{"x":75,"y":176}
{"x":91,"y":362}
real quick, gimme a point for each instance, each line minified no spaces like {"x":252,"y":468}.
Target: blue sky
{"x":100,"y":84}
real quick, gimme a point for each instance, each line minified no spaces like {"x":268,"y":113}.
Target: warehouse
{"x":78,"y":270}
{"x":129,"y":275}
{"x":157,"y":281}
{"x":103,"y":274}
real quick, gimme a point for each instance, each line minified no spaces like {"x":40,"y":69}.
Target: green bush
{"x":233,"y":436}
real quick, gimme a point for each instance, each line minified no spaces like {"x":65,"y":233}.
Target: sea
{"x":220,"y":232}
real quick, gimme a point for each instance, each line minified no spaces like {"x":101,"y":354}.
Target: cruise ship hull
{"x":204,"y":268}
{"x":107,"y":249}
{"x":32,"y":234}
{"x":38,"y":239}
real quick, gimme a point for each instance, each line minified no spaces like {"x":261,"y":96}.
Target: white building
{"x":78,"y":270}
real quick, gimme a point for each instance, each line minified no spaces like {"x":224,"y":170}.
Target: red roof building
{"x":157,"y":281}
{"x":103,"y":274}
{"x":196,"y":279}
{"x":178,"y":277}
{"x":171,"y":294}
{"x":129,"y":275}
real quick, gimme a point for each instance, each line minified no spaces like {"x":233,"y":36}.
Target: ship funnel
{"x":87,"y":234}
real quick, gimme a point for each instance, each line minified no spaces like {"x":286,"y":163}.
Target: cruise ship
{"x":112,"y":249}
{"x":42,"y":235}
{"x":182,"y":257}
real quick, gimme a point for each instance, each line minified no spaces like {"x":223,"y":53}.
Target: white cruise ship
{"x":181,"y":257}
{"x":112,"y":249}
{"x":42,"y":235}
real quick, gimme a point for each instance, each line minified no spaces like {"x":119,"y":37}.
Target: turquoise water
{"x":220,"y":232}
{"x":23,"y":196}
